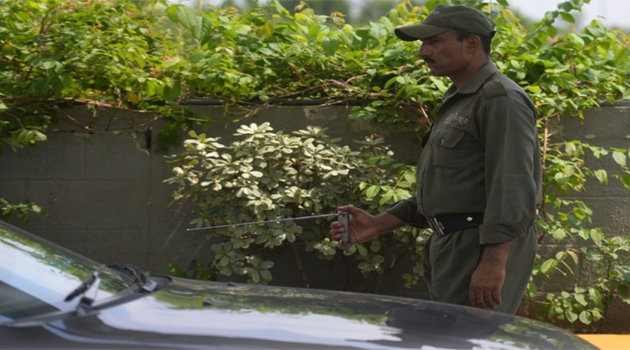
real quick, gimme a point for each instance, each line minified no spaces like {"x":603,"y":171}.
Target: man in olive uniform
{"x":479,"y":174}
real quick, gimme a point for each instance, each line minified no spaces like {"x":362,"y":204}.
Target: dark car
{"x":52,"y":298}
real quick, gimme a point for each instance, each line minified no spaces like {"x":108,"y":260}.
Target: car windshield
{"x":36,"y":276}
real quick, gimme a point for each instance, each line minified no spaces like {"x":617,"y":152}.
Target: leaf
{"x":623,"y":272}
{"x":439,"y":84}
{"x":579,"y":213}
{"x":516,"y":64}
{"x":281,"y":10}
{"x":386,"y":198}
{"x":377,"y":32}
{"x":625,"y":180}
{"x":330,"y":45}
{"x":38,"y":136}
{"x":577,"y":39}
{"x":172,"y":93}
{"x":171,"y":12}
{"x":176,"y":271}
{"x":49,"y":64}
{"x":559,"y":234}
{"x":567,"y":17}
{"x":620,"y":158}
{"x":573,"y":256}
{"x":548,"y":266}
{"x":255,"y":277}
{"x":571,"y":316}
{"x":205,"y":30}
{"x":581,"y":299}
{"x":586,"y":317}
{"x":602,"y":176}
{"x":133,"y":98}
{"x":188,"y":19}
{"x":390,"y":82}
{"x":372,"y":191}
{"x":595,"y":295}
{"x":362,"y":250}
{"x":597,"y":236}
{"x":597,"y":315}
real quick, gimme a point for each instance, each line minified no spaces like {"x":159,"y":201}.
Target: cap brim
{"x":418,"y":32}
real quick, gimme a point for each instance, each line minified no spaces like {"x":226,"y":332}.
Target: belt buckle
{"x":437,"y":226}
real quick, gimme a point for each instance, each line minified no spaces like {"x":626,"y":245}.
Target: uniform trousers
{"x":450,"y":260}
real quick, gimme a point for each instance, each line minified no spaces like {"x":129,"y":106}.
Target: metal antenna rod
{"x":262,"y":222}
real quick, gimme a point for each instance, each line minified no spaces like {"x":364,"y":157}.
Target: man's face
{"x":444,"y":54}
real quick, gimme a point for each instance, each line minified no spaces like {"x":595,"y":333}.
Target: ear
{"x":473,"y":42}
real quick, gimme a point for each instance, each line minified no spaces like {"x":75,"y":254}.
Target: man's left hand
{"x":485,"y":286}
{"x":487,"y":281}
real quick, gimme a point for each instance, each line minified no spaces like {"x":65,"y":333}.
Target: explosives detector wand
{"x":342,"y":216}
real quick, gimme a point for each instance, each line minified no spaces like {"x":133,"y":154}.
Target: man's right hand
{"x":363,"y":226}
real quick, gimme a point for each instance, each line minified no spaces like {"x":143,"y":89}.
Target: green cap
{"x":444,"y":18}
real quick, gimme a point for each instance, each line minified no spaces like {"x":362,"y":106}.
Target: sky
{"x":612,"y":13}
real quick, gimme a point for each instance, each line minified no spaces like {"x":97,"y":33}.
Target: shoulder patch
{"x":494,"y":88}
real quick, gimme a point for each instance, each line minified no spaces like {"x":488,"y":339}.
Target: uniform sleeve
{"x":407,"y":211}
{"x":510,"y":135}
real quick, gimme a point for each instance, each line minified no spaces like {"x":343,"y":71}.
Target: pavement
{"x":608,"y":341}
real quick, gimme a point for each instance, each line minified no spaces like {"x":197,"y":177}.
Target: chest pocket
{"x":448,"y":149}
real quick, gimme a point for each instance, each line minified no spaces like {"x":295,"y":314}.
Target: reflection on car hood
{"x":194,"y":314}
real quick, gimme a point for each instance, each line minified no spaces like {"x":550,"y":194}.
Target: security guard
{"x":479,"y":175}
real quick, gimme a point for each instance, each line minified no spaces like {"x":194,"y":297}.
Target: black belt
{"x":448,"y":223}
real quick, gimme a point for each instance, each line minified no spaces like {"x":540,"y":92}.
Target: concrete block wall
{"x":101,"y":183}
{"x":99,"y":187}
{"x":607,"y":127}
{"x":103,"y":191}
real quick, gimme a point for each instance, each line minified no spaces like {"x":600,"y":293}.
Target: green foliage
{"x":117,"y":54}
{"x":266,"y":176}
{"x":21,"y":210}
{"x":588,"y":302}
{"x":269,"y":55}
{"x":56,"y":52}
{"x":196,"y":270}
{"x":306,"y":55}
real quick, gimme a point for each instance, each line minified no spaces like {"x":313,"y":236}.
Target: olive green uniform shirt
{"x":482,"y":156}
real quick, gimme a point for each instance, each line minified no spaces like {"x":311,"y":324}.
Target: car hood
{"x":195,"y":314}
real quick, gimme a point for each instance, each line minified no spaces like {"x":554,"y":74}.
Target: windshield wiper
{"x":85,"y":304}
{"x":88,"y":290}
{"x":146,"y":284}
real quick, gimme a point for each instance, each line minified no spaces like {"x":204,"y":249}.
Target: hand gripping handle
{"x":344,"y":219}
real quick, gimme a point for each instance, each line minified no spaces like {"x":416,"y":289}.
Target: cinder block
{"x":105,"y":246}
{"x":60,"y":157}
{"x":90,"y":204}
{"x":608,"y":122}
{"x":117,"y":157}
